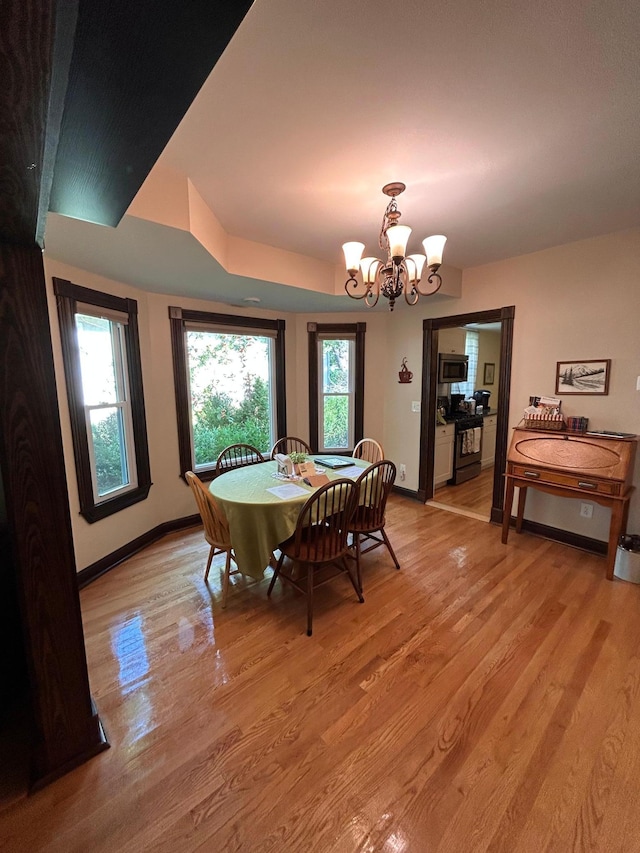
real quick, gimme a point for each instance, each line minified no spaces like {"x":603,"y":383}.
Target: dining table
{"x":262,"y":508}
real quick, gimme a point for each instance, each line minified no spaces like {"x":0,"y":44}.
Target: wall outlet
{"x":415,"y":406}
{"x":586,"y":510}
{"x":403,"y":471}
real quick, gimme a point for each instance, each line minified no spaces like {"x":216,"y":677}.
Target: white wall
{"x":577,"y":301}
{"x":169,"y":497}
{"x":489,"y":351}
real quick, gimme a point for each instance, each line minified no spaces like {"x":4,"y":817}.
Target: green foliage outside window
{"x":108,"y":453}
{"x":220,"y":422}
{"x":335,"y":379}
{"x":230,"y":401}
{"x":335,"y":358}
{"x":336,"y":421}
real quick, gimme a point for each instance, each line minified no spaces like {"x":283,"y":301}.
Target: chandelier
{"x":400,"y":273}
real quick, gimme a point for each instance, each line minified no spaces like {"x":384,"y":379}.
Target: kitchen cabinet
{"x":489,"y":430}
{"x":443,"y":456}
{"x":452,"y":340}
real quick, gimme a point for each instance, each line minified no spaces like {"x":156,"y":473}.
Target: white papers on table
{"x":288,"y":491}
{"x":352,"y":471}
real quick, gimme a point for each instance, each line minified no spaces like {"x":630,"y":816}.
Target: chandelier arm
{"x":374,"y":287}
{"x":432,"y":276}
{"x":356,"y":283}
{"x":415,"y":295}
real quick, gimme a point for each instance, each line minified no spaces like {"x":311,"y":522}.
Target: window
{"x":471,"y":349}
{"x":103,"y":373}
{"x":229,"y":378}
{"x":335,"y":393}
{"x":336,"y":385}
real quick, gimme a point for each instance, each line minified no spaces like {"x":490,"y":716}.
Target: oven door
{"x":468,"y":449}
{"x":467,"y":455}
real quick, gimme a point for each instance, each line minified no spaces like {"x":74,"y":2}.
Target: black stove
{"x":463,"y":420}
{"x":467,"y":455}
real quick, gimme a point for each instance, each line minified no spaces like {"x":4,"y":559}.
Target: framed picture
{"x":489,"y":373}
{"x":583,"y":377}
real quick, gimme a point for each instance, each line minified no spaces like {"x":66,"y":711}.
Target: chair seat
{"x":367,"y":523}
{"x":319,"y":541}
{"x":306,"y":552}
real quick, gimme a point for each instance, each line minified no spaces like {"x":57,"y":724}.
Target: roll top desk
{"x":572,"y":465}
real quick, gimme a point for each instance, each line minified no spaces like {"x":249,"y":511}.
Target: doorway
{"x":491,"y":484}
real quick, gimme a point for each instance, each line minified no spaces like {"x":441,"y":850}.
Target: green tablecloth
{"x":258,"y":519}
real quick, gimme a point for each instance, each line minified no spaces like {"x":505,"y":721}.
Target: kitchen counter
{"x":484,"y":415}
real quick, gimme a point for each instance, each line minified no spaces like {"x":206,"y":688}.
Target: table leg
{"x":506,"y":512}
{"x":522,"y":497}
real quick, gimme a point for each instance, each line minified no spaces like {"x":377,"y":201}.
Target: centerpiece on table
{"x":297,"y":458}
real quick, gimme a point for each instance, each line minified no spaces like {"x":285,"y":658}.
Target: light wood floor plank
{"x":484,"y":697}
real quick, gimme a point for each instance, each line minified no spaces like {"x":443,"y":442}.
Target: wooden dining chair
{"x":320,"y":539}
{"x":216,"y":530}
{"x":290,"y":444}
{"x":368,"y":520}
{"x":368,"y":449}
{"x":237,"y":456}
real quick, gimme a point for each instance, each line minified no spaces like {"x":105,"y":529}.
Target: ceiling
{"x":514,"y":125}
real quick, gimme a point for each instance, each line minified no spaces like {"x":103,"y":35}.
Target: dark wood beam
{"x":36,"y":37}
{"x":136,"y":68}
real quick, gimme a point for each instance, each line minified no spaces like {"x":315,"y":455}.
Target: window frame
{"x":316,"y":333}
{"x":180,"y":319}
{"x":122,"y":404}
{"x":68,"y":297}
{"x":350,"y":393}
{"x":472,"y":348}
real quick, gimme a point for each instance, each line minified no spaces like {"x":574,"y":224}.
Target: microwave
{"x":452,"y":367}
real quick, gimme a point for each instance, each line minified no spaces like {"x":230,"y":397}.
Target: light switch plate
{"x":415,"y":405}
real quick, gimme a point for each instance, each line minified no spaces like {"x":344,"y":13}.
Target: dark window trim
{"x":178,"y":320}
{"x":68,"y":295}
{"x":315,"y":329}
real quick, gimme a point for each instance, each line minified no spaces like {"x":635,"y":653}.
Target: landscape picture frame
{"x":582,"y":377}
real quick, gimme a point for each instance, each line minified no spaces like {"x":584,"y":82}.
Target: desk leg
{"x":522,"y":497}
{"x":506,"y":512}
{"x":619,"y":517}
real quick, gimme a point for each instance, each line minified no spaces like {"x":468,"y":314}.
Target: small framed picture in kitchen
{"x":583,"y":377}
{"x":489,"y":373}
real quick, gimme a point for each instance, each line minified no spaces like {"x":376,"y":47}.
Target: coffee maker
{"x":482,"y":399}
{"x":456,"y":399}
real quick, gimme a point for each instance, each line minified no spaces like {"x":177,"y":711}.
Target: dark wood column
{"x":66,"y":728}
{"x":46,"y":664}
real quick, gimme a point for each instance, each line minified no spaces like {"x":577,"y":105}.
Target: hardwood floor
{"x":484,"y":698}
{"x":475,"y":495}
